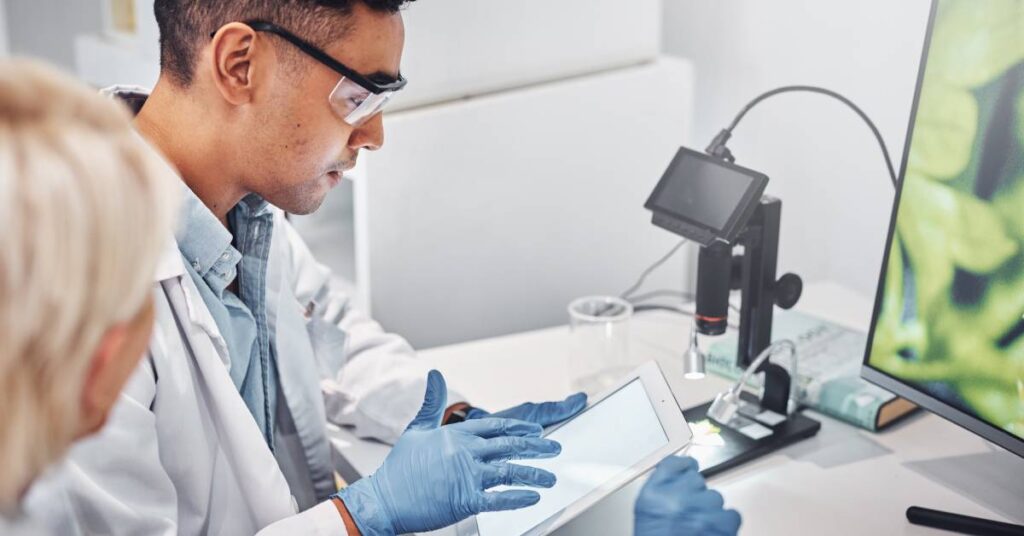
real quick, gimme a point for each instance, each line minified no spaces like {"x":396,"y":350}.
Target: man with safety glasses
{"x":262,"y":106}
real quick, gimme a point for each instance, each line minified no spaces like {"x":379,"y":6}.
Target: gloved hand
{"x":676,"y":501}
{"x":544,"y":414}
{"x":436,"y":476}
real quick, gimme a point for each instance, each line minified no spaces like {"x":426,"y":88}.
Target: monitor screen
{"x":948,"y":328}
{"x":598,"y":445}
{"x":702,"y":190}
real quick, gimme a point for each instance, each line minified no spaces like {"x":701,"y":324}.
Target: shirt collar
{"x":134,"y":97}
{"x":205,"y":243}
{"x":253,"y":206}
{"x":202,"y":240}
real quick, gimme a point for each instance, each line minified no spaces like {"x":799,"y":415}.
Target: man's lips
{"x":335,"y":175}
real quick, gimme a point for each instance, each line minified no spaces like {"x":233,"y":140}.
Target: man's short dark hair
{"x":185,"y":25}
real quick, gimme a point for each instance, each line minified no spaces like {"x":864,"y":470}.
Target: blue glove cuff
{"x":366,"y":508}
{"x":476,"y":413}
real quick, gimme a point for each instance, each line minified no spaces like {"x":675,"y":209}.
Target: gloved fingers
{"x":672,"y":468}
{"x":707,"y":500}
{"x":435,"y":400}
{"x":515,"y":448}
{"x":689,"y":482}
{"x":494,"y":427}
{"x":547,"y":413}
{"x":496,"y":501}
{"x":510,"y":474}
{"x":723,"y":523}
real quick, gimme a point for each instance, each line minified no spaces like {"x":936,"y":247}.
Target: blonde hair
{"x":85,"y":211}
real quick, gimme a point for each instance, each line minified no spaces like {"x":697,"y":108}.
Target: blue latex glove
{"x":544,"y":414}
{"x":676,"y":501}
{"x":436,"y":476}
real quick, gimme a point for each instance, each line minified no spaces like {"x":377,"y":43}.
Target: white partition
{"x":112,"y":57}
{"x":485,"y":217}
{"x":456,"y":48}
{"x":3,"y":29}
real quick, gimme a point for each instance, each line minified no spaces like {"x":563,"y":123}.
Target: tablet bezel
{"x":672,"y":421}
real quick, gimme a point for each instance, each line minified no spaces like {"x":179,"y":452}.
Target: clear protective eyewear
{"x":356,"y":98}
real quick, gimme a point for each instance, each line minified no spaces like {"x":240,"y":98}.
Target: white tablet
{"x":621,"y":435}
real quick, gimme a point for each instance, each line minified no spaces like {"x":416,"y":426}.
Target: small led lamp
{"x":693,"y":359}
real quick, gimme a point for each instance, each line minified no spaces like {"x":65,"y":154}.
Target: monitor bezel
{"x":887,"y":381}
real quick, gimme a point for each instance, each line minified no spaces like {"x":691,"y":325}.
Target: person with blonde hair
{"x":85,"y":211}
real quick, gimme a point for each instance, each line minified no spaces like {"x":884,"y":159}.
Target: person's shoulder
{"x":22,"y":527}
{"x":45,"y":510}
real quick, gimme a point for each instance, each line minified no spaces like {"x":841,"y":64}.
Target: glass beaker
{"x":599,"y":346}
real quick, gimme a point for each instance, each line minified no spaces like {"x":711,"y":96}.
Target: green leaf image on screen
{"x":952,"y":311}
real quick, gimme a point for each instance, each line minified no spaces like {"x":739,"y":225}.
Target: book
{"x":829,"y":358}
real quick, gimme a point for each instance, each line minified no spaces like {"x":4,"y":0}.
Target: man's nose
{"x":369,"y":135}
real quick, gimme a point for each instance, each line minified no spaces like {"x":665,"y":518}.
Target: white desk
{"x":842,"y":481}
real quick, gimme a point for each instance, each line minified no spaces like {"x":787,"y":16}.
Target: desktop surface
{"x":842,"y":481}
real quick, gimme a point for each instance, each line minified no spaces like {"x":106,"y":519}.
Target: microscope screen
{"x":702,"y":191}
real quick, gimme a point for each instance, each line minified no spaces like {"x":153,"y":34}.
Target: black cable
{"x":718,"y":148}
{"x":670,"y":308}
{"x":643,"y":276}
{"x":687,"y":297}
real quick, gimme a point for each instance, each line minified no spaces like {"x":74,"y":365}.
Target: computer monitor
{"x":948,"y":325}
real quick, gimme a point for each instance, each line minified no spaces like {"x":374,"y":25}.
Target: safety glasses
{"x":356,"y":98}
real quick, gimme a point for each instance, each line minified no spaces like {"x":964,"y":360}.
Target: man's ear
{"x":232,"y":67}
{"x":96,"y":396}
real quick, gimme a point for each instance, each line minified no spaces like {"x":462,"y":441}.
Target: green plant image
{"x":952,"y":312}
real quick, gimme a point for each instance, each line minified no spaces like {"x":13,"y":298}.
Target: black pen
{"x":962,"y":524}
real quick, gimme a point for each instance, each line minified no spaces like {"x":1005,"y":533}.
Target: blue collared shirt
{"x":214,"y":258}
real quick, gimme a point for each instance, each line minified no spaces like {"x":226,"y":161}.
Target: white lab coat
{"x":181,"y":453}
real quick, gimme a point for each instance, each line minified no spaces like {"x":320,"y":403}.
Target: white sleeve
{"x":371,"y":379}
{"x":113,"y":482}
{"x":320,"y":520}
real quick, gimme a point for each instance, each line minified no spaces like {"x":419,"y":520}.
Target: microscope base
{"x":736,"y":448}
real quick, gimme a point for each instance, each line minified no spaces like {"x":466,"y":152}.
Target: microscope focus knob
{"x":788,"y":290}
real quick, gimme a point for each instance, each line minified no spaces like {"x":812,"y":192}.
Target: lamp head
{"x":693,"y":359}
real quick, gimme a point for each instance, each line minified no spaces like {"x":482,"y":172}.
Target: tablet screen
{"x":599,"y":444}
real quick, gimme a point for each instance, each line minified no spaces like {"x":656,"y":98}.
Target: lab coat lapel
{"x":172,"y":266}
{"x":241,"y":439}
{"x":297,"y":371}
{"x":170,"y":263}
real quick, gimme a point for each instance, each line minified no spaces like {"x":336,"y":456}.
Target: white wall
{"x":47,"y":28}
{"x":822,"y":159}
{"x":487,"y":216}
{"x":461,"y":48}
